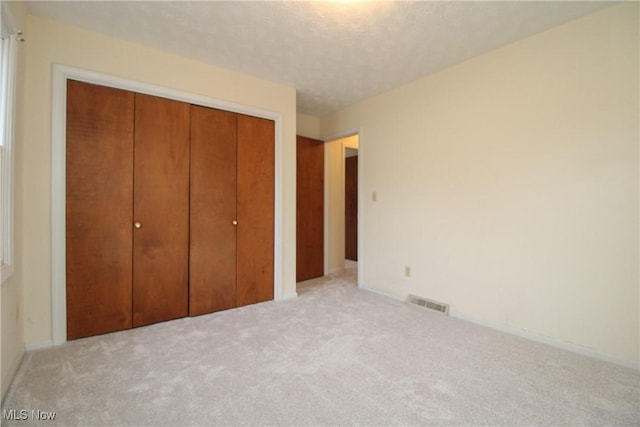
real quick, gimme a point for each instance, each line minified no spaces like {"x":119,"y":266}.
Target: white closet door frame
{"x":61,"y":74}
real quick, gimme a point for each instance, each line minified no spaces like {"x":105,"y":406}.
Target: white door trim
{"x":61,"y":74}
{"x":360,"y":133}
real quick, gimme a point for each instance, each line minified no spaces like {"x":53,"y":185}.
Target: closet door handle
{"x":234,"y":222}
{"x":137,"y":225}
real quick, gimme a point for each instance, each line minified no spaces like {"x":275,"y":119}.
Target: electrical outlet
{"x":407,"y":271}
{"x":374,"y":196}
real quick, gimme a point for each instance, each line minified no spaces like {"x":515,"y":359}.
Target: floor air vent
{"x":427,"y":303}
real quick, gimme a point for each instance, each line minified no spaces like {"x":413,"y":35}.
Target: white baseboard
{"x":574,"y":348}
{"x":384,"y":294}
{"x":563,"y":345}
{"x":39,"y":345}
{"x":292,"y":295}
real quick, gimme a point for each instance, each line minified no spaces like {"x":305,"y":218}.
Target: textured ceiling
{"x":334,"y":53}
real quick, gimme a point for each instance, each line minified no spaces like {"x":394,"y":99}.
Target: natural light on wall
{"x":10,"y":37}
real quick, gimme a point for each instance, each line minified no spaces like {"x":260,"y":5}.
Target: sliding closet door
{"x":161,"y":210}
{"x":212,"y":259}
{"x":99,"y":200}
{"x":256,"y":157}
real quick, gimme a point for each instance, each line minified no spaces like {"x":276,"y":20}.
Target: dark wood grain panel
{"x":212,"y":258}
{"x":99,"y":201}
{"x":351,"y":208}
{"x":255,"y":204}
{"x":309,"y":208}
{"x":161,"y":205}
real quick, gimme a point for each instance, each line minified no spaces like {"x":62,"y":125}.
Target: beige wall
{"x":11,"y":296}
{"x":53,"y":43}
{"x":509,"y":184}
{"x":334,"y":154}
{"x":308,"y":126}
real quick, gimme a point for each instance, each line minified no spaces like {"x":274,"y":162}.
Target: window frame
{"x":9,"y":39}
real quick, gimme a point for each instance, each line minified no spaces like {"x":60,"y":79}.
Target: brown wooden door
{"x":129,"y":246}
{"x":309,"y":209}
{"x":212,"y":253}
{"x":255,"y":203}
{"x":99,"y":201}
{"x":161,"y":207}
{"x":351,"y":208}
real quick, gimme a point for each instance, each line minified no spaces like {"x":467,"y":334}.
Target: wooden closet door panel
{"x":309,"y":209}
{"x":161,"y":206}
{"x":255,"y":203}
{"x":99,"y":202}
{"x":212,"y":254}
{"x":351,"y":208}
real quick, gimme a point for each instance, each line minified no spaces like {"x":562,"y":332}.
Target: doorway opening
{"x":341,"y":204}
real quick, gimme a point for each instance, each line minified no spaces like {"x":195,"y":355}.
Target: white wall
{"x":509,"y":183}
{"x":334,"y":155}
{"x":308,"y":126}
{"x":54,"y":43}
{"x":11,"y":296}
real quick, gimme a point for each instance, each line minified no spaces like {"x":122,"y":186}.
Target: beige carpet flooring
{"x":337,"y":355}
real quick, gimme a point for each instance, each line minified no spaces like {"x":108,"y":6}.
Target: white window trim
{"x":11,"y":38}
